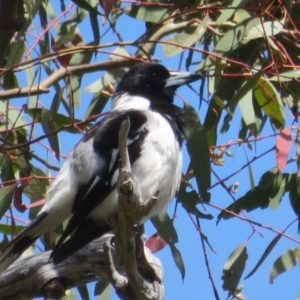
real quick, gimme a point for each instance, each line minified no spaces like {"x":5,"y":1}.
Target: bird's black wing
{"x":105,"y":143}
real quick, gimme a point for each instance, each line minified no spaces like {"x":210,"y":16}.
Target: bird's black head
{"x":154,"y":82}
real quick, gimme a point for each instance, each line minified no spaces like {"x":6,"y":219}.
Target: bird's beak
{"x":180,"y":78}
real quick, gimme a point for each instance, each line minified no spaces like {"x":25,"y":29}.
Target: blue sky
{"x":229,"y":234}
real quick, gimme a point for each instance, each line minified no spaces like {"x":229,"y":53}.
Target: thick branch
{"x":35,"y":276}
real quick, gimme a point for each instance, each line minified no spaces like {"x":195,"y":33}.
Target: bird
{"x":84,"y":190}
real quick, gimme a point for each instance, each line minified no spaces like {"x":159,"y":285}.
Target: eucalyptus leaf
{"x":234,"y":268}
{"x":6,"y":195}
{"x":198,"y":149}
{"x":147,"y":13}
{"x":270,"y":101}
{"x":165,"y":227}
{"x":285,"y":262}
{"x":184,"y":40}
{"x":49,"y":127}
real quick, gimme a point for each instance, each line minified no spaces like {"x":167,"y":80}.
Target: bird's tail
{"x":22,"y":241}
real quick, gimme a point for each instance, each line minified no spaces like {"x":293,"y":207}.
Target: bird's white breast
{"x":157,"y":169}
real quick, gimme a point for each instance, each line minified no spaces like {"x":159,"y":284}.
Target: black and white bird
{"x":85,"y":188}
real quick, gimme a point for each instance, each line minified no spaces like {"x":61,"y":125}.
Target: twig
{"x":207,"y":262}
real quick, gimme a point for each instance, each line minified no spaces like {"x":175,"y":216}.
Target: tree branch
{"x":36,"y":276}
{"x":143,"y":279}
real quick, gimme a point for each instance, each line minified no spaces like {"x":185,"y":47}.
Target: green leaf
{"x":86,"y":6}
{"x":6,"y":167}
{"x":74,"y":90}
{"x":269,"y":100}
{"x":190,"y":200}
{"x":70,"y":295}
{"x":267,"y":178}
{"x":268,"y":28}
{"x":247,"y":110}
{"x":243,"y":91}
{"x":7,"y":229}
{"x":95,"y":26}
{"x":234,"y":38}
{"x":294,"y":186}
{"x":16,"y":51}
{"x":265,"y":254}
{"x":147,"y":13}
{"x":251,"y":177}
{"x":184,"y":39}
{"x":5,"y":37}
{"x":13,"y":117}
{"x":178,"y":260}
{"x":6,"y":195}
{"x":226,"y":13}
{"x":286,"y":76}
{"x":66,"y":37}
{"x":165,"y":227}
{"x":285,"y":262}
{"x":278,"y":189}
{"x":198,"y":149}
{"x":272,"y":186}
{"x":48,"y":124}
{"x":111,"y":77}
{"x":56,"y":101}
{"x":10,"y":80}
{"x":32,"y":11}
{"x":31,"y":76}
{"x":241,"y":15}
{"x":60,"y":121}
{"x":258,"y":198}
{"x":97,"y":104}
{"x":234,"y":268}
{"x":212,"y":119}
{"x":103,"y":288}
{"x":38,"y":184}
{"x":83,"y":292}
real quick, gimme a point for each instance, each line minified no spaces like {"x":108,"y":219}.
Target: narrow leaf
{"x":286,"y":76}
{"x":226,"y":13}
{"x":285,"y":262}
{"x":165,"y":227}
{"x":269,"y":28}
{"x":6,"y":195}
{"x":258,"y":198}
{"x":85,"y":5}
{"x":147,"y":13}
{"x":269,"y":100}
{"x":178,"y":260}
{"x":103,"y":288}
{"x":83,"y":292}
{"x":185,"y":39}
{"x":251,"y":176}
{"x":242,"y":92}
{"x":7,"y":229}
{"x":48,"y":124}
{"x":190,"y":200}
{"x":198,"y":149}
{"x":265,"y":254}
{"x":234,"y":38}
